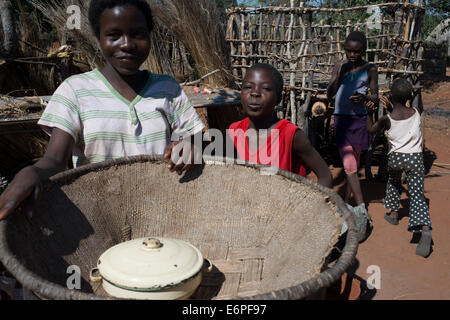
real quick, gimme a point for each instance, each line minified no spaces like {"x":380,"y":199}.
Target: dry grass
{"x":22,"y":76}
{"x":182,"y":28}
{"x":83,"y":41}
{"x":164,"y":46}
{"x":197,"y":25}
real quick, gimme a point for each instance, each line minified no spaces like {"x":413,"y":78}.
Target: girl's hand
{"x":358,"y":98}
{"x":25,"y":188}
{"x":181,"y":156}
{"x":370,"y":106}
{"x":312,"y":159}
{"x":386,"y":103}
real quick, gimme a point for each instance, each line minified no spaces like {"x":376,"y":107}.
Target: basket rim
{"x":47,"y":289}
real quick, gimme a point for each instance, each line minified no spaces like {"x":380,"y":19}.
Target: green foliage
{"x":222,"y":5}
{"x":442,"y":7}
{"x":437,"y":11}
{"x":430,"y":22}
{"x":3,"y":184}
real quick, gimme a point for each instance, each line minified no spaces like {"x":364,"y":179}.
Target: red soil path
{"x":404,"y":275}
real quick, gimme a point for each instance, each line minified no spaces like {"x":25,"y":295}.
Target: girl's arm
{"x":26,"y":185}
{"x":373,"y":85}
{"x":311,"y":158}
{"x":381,"y":124}
{"x":335,"y":80}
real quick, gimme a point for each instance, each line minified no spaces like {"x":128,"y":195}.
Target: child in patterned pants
{"x":412,"y":165}
{"x":403,"y":129}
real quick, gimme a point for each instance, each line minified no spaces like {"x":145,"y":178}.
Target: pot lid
{"x":150,"y":263}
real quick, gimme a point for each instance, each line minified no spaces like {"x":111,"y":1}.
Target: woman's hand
{"x":24,"y":188}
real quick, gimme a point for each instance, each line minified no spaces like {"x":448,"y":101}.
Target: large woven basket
{"x":268,"y":236}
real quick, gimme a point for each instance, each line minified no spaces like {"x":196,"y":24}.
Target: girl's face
{"x":124,"y":38}
{"x":258,"y":94}
{"x":353,"y":50}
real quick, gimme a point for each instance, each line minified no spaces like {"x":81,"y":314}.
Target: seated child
{"x":275,"y":142}
{"x":404,"y":135}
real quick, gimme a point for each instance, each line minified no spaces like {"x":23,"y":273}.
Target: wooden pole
{"x":292,"y":67}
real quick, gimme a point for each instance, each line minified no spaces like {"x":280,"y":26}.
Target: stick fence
{"x":304,"y":43}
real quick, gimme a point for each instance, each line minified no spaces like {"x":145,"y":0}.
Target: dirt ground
{"x":403,"y":274}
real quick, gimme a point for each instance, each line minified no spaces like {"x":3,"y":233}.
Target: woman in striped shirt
{"x":116,"y":111}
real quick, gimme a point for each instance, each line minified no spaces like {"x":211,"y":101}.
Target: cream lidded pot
{"x":151,"y":268}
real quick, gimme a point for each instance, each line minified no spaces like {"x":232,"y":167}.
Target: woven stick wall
{"x":304,"y":43}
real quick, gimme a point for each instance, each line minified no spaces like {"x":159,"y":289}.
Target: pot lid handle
{"x":151,"y":244}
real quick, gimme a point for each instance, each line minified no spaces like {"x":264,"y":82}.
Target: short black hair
{"x":401,"y":90}
{"x":358,"y":36}
{"x":96,"y":7}
{"x":276,"y":77}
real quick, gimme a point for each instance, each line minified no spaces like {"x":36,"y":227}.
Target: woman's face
{"x":124,"y":38}
{"x":353,"y":50}
{"x":258,"y":95}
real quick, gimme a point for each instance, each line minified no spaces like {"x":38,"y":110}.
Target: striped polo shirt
{"x":105,"y":125}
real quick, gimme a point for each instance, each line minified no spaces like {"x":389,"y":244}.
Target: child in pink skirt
{"x":350,"y":82}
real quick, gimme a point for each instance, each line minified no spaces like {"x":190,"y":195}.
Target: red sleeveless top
{"x":276,"y":151}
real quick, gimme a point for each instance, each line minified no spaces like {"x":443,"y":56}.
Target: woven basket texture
{"x":268,"y":236}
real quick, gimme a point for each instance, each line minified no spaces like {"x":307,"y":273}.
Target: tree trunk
{"x":9,"y":47}
{"x":197,"y":25}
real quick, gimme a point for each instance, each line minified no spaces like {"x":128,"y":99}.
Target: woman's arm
{"x":25,"y":186}
{"x":312,"y":159}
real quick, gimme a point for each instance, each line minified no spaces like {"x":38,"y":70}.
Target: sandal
{"x":388,"y":218}
{"x":424,"y":246}
{"x":361,"y":219}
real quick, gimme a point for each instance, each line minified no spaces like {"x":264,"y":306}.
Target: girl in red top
{"x":263,"y":138}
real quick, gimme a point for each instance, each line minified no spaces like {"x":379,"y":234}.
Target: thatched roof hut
{"x":441,"y":34}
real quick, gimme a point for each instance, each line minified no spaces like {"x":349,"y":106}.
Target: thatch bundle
{"x":30,"y":69}
{"x":197,"y":25}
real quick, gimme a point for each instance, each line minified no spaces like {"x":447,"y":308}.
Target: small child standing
{"x":404,"y":134}
{"x":274,"y":142}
